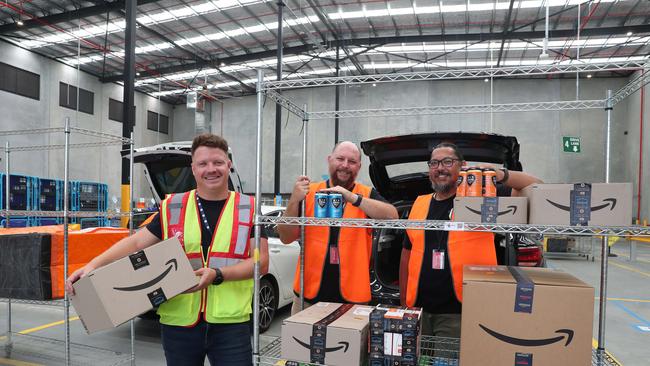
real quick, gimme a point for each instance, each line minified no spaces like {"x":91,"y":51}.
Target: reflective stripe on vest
{"x":463,"y":248}
{"x":229,"y":302}
{"x":355,"y":248}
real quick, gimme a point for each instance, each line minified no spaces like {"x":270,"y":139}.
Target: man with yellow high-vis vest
{"x":337,"y":260}
{"x":214,"y":226}
{"x":431,"y":264}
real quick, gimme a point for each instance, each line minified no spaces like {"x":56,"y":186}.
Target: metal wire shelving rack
{"x":270,"y":354}
{"x":29,"y":347}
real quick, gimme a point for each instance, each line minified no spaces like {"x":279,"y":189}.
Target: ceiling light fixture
{"x":589,"y":76}
{"x":486,"y":80}
{"x":544,"y":54}
{"x":629,"y":33}
{"x":20,"y":23}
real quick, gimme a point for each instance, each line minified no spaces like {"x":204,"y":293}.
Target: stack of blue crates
{"x":45,"y":194}
{"x":89,"y":196}
{"x":23,"y":192}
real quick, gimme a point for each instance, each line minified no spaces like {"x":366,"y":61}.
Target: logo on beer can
{"x":335,"y":205}
{"x":471,"y":178}
{"x":320,"y":209}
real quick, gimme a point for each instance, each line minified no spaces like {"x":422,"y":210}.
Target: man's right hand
{"x":76,"y":275}
{"x":300,"y":189}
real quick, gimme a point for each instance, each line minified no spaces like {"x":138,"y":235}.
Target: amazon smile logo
{"x":608,"y":202}
{"x":565,"y":333}
{"x":343,"y":345}
{"x":152,"y":282}
{"x":511,"y":208}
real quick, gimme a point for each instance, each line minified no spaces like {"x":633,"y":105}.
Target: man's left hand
{"x":347,"y":195}
{"x":206,"y":276}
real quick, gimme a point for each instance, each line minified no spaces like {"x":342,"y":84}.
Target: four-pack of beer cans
{"x":477,"y":182}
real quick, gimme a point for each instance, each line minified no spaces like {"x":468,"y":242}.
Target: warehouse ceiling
{"x":185,"y":45}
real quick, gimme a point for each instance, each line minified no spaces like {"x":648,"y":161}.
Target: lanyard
{"x":205,"y":219}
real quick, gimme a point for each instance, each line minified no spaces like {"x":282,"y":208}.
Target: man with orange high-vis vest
{"x":215,"y":226}
{"x":337,"y":260}
{"x":431,"y":264}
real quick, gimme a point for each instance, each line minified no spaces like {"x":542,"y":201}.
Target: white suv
{"x":167,"y":168}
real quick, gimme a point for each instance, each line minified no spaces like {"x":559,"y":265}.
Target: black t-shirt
{"x":435,"y":289}
{"x":436,"y":292}
{"x":212,"y":210}
{"x":330,"y":288}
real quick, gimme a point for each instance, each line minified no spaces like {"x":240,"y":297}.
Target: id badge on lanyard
{"x":334,"y":255}
{"x":438,"y":259}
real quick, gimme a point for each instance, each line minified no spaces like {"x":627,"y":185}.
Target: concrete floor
{"x":627,"y":327}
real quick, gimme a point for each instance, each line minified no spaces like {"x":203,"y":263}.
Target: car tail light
{"x":529,"y":256}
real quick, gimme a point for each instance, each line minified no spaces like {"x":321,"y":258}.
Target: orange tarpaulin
{"x":37,"y":229}
{"x":83,"y":246}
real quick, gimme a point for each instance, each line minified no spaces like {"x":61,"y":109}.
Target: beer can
{"x":461,"y":190}
{"x":320,"y":205}
{"x":474,"y":182}
{"x":489,"y":182}
{"x":335,"y":206}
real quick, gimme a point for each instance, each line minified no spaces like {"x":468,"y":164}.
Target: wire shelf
{"x":91,"y":214}
{"x":107,"y":136}
{"x":60,"y":147}
{"x":434,"y":351}
{"x":33,"y":302}
{"x":460,"y":226}
{"x":29,"y":348}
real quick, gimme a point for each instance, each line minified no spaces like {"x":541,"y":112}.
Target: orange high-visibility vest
{"x":463,"y":248}
{"x":355,"y":249}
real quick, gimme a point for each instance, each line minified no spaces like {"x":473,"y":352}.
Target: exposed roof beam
{"x":462,"y":37}
{"x":506,"y":30}
{"x":67,"y":16}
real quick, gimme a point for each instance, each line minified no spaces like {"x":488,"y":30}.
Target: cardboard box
{"x":394,"y":336}
{"x":580,"y":204}
{"x":126,"y":288}
{"x":525,"y":316}
{"x":327,"y":333}
{"x":501,"y":210}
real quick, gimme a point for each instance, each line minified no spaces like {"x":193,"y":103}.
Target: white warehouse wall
{"x":97,"y":164}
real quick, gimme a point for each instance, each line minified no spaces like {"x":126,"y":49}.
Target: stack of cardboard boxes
{"x":552,"y":204}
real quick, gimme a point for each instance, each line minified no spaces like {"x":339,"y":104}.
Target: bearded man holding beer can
{"x":427,"y":279}
{"x":337,"y":259}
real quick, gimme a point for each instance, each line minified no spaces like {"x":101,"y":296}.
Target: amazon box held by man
{"x":327,"y":333}
{"x":128,"y":287}
{"x":580,"y":204}
{"x":525,"y":317}
{"x":499,"y":210}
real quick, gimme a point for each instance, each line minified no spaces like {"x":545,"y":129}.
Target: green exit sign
{"x":571,"y":144}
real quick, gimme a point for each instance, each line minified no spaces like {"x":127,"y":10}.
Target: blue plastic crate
{"x":22,"y":192}
{"x":87,"y":222}
{"x":88,"y":196}
{"x":50,"y":194}
{"x":17,"y":221}
{"x":47,"y":221}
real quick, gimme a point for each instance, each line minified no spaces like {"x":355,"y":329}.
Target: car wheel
{"x":268,"y":303}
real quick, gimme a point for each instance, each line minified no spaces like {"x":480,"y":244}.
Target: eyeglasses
{"x":446,"y":162}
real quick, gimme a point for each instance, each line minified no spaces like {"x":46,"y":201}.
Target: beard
{"x":443,"y":187}
{"x":347,"y":183}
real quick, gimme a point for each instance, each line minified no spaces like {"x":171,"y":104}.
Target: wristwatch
{"x":506,"y":175}
{"x":219,"y":278}
{"x":357,"y":203}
